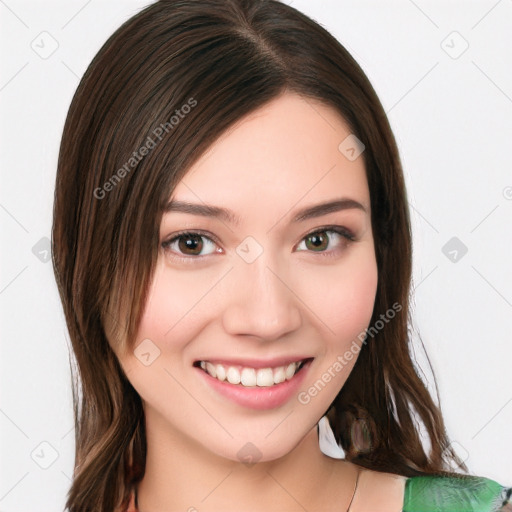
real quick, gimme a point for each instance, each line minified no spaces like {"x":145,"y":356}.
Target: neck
{"x":182,"y":475}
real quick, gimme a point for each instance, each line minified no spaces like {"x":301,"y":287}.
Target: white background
{"x":452,"y":115}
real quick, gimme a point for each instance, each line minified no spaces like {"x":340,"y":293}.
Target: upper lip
{"x":257,"y":362}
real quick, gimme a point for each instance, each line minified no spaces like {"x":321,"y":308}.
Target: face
{"x":257,"y":303}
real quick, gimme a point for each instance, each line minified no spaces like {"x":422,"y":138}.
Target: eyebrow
{"x":306,"y":213}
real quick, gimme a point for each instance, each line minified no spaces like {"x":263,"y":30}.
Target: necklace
{"x":355,"y":489}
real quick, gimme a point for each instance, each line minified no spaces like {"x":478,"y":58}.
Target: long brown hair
{"x":223,"y":59}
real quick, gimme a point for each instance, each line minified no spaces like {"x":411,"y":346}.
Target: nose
{"x":261,"y":302}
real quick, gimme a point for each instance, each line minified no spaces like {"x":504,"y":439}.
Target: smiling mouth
{"x":246,"y":376}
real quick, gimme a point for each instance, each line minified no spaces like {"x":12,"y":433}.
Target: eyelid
{"x":183,"y":232}
{"x":342,"y":230}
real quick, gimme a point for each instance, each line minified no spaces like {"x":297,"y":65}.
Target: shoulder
{"x":458,"y":493}
{"x":378,"y":490}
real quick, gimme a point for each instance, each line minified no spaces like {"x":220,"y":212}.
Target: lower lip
{"x":259,"y":398}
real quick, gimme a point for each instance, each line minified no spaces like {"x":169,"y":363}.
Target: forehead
{"x":286,"y":152}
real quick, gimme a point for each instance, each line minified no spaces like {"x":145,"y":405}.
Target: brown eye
{"x":317,"y":241}
{"x":189,"y":244}
{"x":193,"y":243}
{"x":321,"y":240}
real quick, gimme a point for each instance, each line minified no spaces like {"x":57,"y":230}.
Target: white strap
{"x":327,"y":442}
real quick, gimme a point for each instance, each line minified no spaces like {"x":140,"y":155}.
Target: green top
{"x":454,"y":494}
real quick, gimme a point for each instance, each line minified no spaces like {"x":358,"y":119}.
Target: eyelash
{"x":345,"y":233}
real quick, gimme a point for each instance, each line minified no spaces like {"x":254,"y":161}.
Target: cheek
{"x":343,"y":312}
{"x":343,"y":297}
{"x":170,"y":321}
{"x":173,"y":303}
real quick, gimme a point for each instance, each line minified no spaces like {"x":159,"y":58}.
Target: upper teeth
{"x":251,"y":377}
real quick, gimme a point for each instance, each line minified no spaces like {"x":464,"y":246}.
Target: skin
{"x":290,"y":300}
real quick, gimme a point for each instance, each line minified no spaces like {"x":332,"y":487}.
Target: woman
{"x":232,"y":246}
